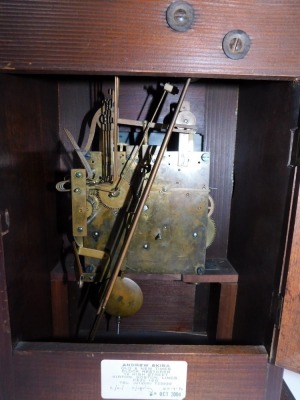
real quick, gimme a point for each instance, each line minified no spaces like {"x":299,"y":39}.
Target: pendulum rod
{"x":139,"y":209}
{"x":115,"y":140}
{"x":143,"y":141}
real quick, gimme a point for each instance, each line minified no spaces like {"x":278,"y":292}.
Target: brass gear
{"x":210,"y":231}
{"x":92,"y":204}
{"x":211,"y":206}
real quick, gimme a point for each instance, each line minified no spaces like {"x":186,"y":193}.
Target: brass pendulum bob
{"x":125,"y":299}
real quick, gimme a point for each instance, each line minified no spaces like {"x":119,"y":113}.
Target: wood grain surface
{"x":69,"y":371}
{"x":133,"y":37}
{"x":288,"y":349}
{"x":5,"y":334}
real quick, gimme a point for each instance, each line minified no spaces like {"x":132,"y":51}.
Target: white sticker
{"x":143,"y":380}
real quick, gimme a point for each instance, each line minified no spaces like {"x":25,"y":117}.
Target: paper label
{"x":143,"y":380}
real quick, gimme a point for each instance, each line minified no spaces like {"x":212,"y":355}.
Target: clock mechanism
{"x":138,"y":207}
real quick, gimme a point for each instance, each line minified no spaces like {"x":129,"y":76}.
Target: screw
{"x":96,"y":235}
{"x":146,"y":207}
{"x":146,"y":246}
{"x":80,"y":229}
{"x":77,"y":190}
{"x":200,"y":270}
{"x":180,"y":16}
{"x":195,"y":234}
{"x":78,"y":174}
{"x":88,"y":156}
{"x":205,"y":157}
{"x":236,"y":44}
{"x":89,"y":269}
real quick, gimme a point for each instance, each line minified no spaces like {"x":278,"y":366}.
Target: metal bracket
{"x":79,"y":206}
{"x":92,"y":276}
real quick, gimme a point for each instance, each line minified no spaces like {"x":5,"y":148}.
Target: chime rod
{"x":137,"y":214}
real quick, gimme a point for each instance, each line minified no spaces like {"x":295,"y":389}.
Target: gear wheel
{"x":210,"y":231}
{"x":92,"y":205}
{"x":186,"y":117}
{"x":211,"y":206}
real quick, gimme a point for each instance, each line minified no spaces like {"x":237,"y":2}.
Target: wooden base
{"x":72,"y":371}
{"x":218,"y":272}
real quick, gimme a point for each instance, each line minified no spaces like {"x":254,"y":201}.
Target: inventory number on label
{"x":143,"y":380}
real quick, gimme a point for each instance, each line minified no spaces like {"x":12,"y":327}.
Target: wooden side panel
{"x":261,"y":201}
{"x":28,"y":164}
{"x":288,"y":350}
{"x":60,"y":371}
{"x":5,"y":338}
{"x":133,"y":37}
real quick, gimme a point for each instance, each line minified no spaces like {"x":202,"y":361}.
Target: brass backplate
{"x":171,"y":233}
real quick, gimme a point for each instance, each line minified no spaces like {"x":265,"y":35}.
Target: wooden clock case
{"x":53,"y":56}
